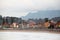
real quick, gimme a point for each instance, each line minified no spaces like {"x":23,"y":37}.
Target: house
{"x":32,"y":24}
{"x":58,"y":24}
{"x":46,"y":24}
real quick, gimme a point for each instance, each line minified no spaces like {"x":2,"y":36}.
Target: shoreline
{"x":35,"y":31}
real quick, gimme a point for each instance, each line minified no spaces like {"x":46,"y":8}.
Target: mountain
{"x":43,"y":14}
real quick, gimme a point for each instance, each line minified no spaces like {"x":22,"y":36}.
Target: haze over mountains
{"x":43,"y":14}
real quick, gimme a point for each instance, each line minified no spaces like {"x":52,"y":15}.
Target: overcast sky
{"x":20,"y":8}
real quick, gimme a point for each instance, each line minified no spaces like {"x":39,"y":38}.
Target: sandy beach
{"x":47,"y":31}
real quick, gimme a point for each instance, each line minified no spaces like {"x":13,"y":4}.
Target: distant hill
{"x":43,"y":14}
